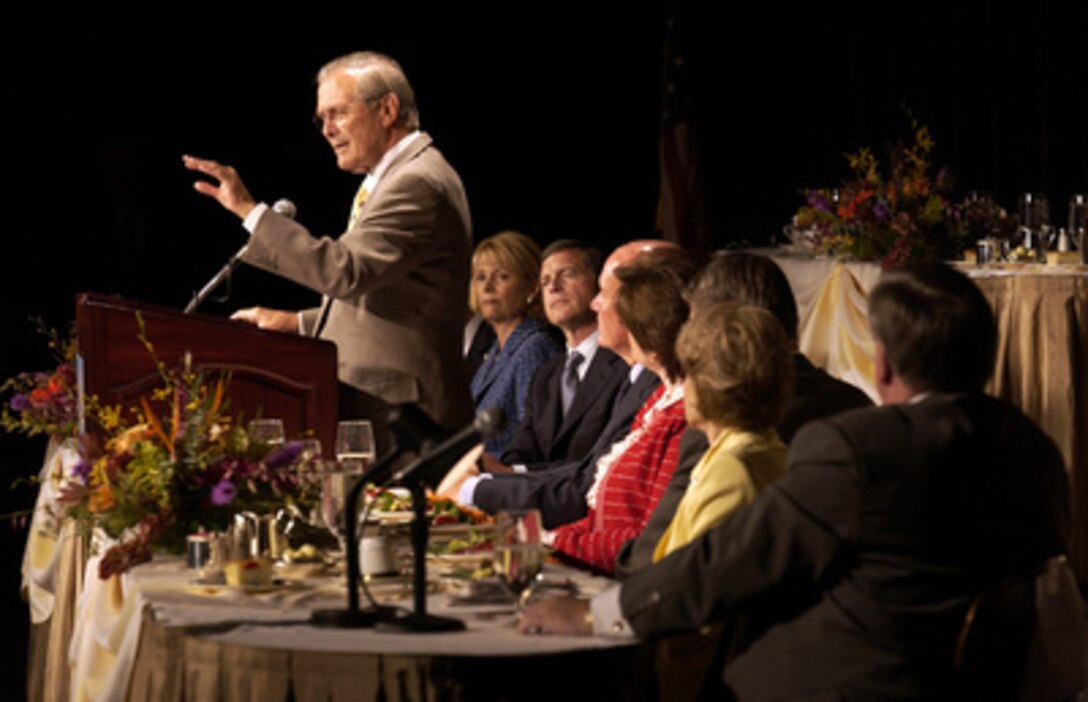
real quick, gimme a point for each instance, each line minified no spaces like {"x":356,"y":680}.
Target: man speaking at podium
{"x":395,"y":282}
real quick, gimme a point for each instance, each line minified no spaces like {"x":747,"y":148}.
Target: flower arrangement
{"x":44,"y":402}
{"x":903,"y":216}
{"x":174,"y":464}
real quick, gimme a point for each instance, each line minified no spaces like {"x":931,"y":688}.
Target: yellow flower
{"x":126,"y":440}
{"x":110,"y":417}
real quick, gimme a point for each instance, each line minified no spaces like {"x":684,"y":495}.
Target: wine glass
{"x":355,"y":445}
{"x":519,"y":555}
{"x":267,"y":431}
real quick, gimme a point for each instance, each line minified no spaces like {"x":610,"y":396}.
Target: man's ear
{"x":390,"y":109}
{"x":881,"y":367}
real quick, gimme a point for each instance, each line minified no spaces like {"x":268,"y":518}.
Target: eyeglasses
{"x":340,"y":114}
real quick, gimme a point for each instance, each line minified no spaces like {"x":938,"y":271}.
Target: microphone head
{"x":489,"y":422}
{"x":285,"y":207}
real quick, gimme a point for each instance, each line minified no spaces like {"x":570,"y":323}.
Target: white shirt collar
{"x":375,"y":175}
{"x":588,"y":348}
{"x":915,"y":399}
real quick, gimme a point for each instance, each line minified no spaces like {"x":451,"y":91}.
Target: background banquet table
{"x":1042,"y":351}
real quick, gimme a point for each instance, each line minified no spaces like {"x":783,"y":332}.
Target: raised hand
{"x":229,"y":190}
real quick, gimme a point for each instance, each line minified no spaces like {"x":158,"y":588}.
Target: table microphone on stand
{"x":415,"y":431}
{"x":434,"y":463}
{"x":283,"y":207}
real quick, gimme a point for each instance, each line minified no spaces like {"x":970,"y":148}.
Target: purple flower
{"x":284,"y":455}
{"x":880,"y":210}
{"x":223,"y":493}
{"x":82,"y":470}
{"x":818,"y":201}
{"x":19,"y":403}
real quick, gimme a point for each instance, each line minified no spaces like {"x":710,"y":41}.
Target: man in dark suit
{"x":748,"y":279}
{"x":399,"y":273}
{"x":571,"y":397}
{"x":888,"y":524}
{"x":559,"y":492}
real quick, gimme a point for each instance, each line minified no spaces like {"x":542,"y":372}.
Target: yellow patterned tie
{"x":357,"y":205}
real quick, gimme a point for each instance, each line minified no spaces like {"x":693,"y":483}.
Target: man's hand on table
{"x":464,"y":469}
{"x":492,"y":465}
{"x":568,"y":616}
{"x":264,"y":318}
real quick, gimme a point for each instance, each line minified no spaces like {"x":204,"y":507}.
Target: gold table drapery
{"x":153,"y":634}
{"x":1042,"y":362}
{"x":174,"y":664}
{"x":1042,"y":349}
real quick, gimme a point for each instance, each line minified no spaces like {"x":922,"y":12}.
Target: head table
{"x":157,"y":634}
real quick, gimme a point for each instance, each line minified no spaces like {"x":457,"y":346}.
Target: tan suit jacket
{"x":396,"y":283}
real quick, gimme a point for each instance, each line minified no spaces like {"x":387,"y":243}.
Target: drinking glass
{"x":267,"y":431}
{"x":335,"y":484}
{"x":519,"y":555}
{"x":355,"y":445}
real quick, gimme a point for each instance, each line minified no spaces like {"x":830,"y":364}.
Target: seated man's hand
{"x":492,"y":465}
{"x":264,"y":318}
{"x":568,"y":616}
{"x":464,"y":469}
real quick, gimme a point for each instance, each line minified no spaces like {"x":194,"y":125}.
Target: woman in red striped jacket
{"x":631,"y":478}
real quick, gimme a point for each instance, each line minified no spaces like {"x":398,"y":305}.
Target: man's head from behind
{"x":746,"y":279}
{"x":934,"y":330}
{"x":568,"y":283}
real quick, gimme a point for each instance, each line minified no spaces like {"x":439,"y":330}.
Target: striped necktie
{"x":568,"y":386}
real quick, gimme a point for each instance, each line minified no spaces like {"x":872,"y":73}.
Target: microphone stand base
{"x":347,"y":618}
{"x":413,"y":622}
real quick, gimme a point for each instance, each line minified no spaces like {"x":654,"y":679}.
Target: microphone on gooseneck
{"x":438,"y":458}
{"x":282,"y":206}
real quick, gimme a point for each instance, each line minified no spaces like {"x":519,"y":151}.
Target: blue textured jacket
{"x":503,"y":379}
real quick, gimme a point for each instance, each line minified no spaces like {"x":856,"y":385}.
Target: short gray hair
{"x":375,"y":75}
{"x":936,"y":327}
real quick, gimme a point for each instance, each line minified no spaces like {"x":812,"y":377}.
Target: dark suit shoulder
{"x":816,"y":395}
{"x":967,"y":476}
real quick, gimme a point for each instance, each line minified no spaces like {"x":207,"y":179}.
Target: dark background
{"x":550,"y":112}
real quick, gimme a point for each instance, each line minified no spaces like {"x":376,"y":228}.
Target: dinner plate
{"x":460,"y":529}
{"x":392,"y":518}
{"x":461,"y":558}
{"x":213,"y":585}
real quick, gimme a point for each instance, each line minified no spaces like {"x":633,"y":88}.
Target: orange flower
{"x":56,"y":385}
{"x":101,"y":500}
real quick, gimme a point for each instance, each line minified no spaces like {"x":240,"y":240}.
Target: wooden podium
{"x":273,"y":374}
